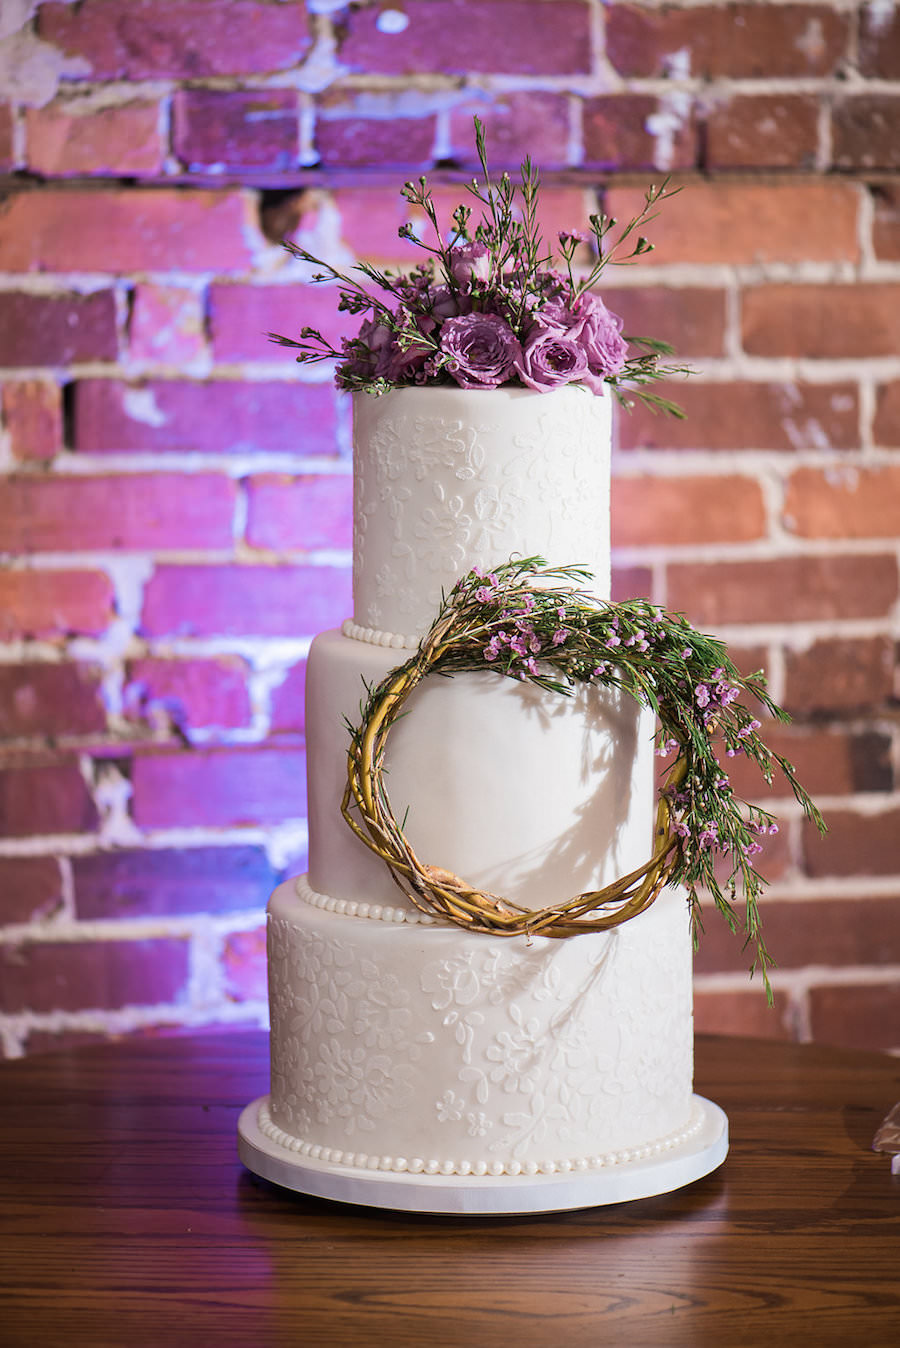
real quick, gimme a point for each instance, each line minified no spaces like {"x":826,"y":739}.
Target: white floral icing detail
{"x":537,"y":1051}
{"x":436,"y":492}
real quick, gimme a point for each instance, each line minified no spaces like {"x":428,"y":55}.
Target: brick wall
{"x":174,"y":505}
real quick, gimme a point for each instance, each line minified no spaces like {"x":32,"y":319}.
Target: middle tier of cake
{"x":523,"y":792}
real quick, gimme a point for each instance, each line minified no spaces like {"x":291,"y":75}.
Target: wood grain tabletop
{"x":127,"y":1219}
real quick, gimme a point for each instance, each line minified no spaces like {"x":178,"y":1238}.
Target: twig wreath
{"x":532,"y":622}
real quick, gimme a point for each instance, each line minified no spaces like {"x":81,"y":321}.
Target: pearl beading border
{"x":395,"y":640}
{"x":314,"y":1151}
{"x":376,"y":912}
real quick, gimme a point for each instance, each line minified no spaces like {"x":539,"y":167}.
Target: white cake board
{"x":488,"y":1194}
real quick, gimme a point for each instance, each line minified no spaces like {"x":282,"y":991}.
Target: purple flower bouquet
{"x":489,"y":306}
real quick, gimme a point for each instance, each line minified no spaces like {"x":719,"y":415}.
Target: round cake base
{"x":488,"y":1194}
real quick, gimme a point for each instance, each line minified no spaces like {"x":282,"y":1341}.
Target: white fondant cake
{"x":402,"y":1043}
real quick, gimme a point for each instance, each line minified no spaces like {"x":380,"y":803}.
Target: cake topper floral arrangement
{"x":538,"y":624}
{"x":490,"y":306}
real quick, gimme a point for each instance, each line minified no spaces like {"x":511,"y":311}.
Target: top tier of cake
{"x":448,"y":478}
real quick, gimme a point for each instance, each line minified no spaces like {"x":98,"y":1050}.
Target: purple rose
{"x":555,"y":313}
{"x":470,"y":262}
{"x":482,"y":350}
{"x":369,"y":353}
{"x":552,"y":357}
{"x":442,"y":303}
{"x":404,"y":365}
{"x":600,"y":336}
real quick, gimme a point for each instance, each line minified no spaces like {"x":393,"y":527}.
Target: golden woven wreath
{"x":528,"y":621}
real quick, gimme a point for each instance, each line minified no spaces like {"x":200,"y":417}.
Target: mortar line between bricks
{"x":87,"y":844}
{"x":126,"y":1020}
{"x":807,"y":977}
{"x":832,"y":889}
{"x":135,"y":928}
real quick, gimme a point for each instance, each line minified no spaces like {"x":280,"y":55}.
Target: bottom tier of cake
{"x":405,"y":1045}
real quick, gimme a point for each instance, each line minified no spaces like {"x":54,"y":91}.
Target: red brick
{"x":785,"y":589}
{"x":863,"y":1016}
{"x":692,"y":510}
{"x":691,"y":319}
{"x":840,"y":675}
{"x":244,"y":962}
{"x":855,"y":844}
{"x":851,"y":502}
{"x":827,"y":762}
{"x":459,"y":37}
{"x":30,"y":889}
{"x":763,"y":131}
{"x":744,"y":1013}
{"x":7,"y":139}
{"x":775,"y":863}
{"x":865,"y":132}
{"x":236,"y":129}
{"x":127,"y":511}
{"x":516,"y":124}
{"x":299,"y":512}
{"x":182,"y":39}
{"x":782,"y":416}
{"x":46,"y":604}
{"x":218,"y":788}
{"x":631,"y":582}
{"x":245,"y":600}
{"x":289,"y":701}
{"x":157,"y":229}
{"x":886,"y":224}
{"x":170,"y":882}
{"x":32,"y":412}
{"x":188,"y":693}
{"x":744,"y":41}
{"x":50,"y":976}
{"x":825,"y":321}
{"x":879,"y":42}
{"x":226,"y":416}
{"x":72,"y":137}
{"x":359,"y":142}
{"x":166,"y":325}
{"x":831,"y":932}
{"x":56,"y":329}
{"x":749,"y":659}
{"x":617,"y":131}
{"x":241,"y":316}
{"x":370,"y":218}
{"x":50,"y":699}
{"x":734,"y":222}
{"x":42,"y":794}
{"x":887,"y":415}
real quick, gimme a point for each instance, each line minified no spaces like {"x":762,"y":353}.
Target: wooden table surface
{"x":126,"y":1218}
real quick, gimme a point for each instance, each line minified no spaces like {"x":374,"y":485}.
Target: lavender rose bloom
{"x":404,"y":365}
{"x":601,"y":339}
{"x":482,"y":350}
{"x":369,"y":353}
{"x":552,"y":357}
{"x":470,"y":262}
{"x":555,"y":313}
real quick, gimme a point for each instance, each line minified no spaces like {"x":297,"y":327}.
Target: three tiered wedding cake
{"x":481,"y":992}
{"x":408,"y":1048}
